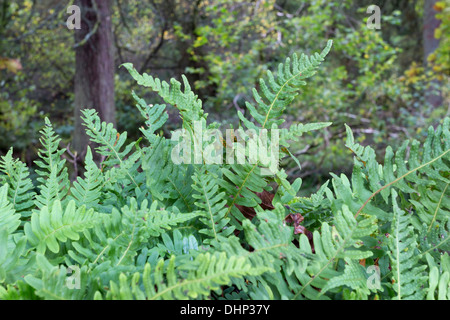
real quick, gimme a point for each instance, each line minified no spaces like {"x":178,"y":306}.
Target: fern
{"x":87,"y":191}
{"x":205,"y":274}
{"x":142,"y":225}
{"x":280,"y":92}
{"x":9,"y":219}
{"x":212,"y":204}
{"x":21,"y":189}
{"x":53,"y":178}
{"x":49,"y":227}
{"x":408,"y":277}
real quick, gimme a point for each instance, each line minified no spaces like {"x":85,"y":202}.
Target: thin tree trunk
{"x":430,"y":44}
{"x":94,"y":74}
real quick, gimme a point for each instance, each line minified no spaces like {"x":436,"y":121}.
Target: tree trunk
{"x":430,"y":43}
{"x":94,"y":74}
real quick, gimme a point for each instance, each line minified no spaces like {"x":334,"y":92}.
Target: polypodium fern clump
{"x":157,"y":219}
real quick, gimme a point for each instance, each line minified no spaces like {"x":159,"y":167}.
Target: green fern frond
{"x":212,"y":203}
{"x":439,"y":284}
{"x":407,"y":274}
{"x":278,"y":93}
{"x":436,"y":240}
{"x":241,"y":182}
{"x":21,"y":189}
{"x":49,"y":227}
{"x":166,"y":181}
{"x":431,"y":204}
{"x":188,"y":104}
{"x":9,"y":219}
{"x":12,"y":262}
{"x":87,"y":191}
{"x":111,"y":145}
{"x":53,"y":178}
{"x":354,"y":277}
{"x":341,"y":241}
{"x":58,"y":282}
{"x":207,"y":274}
{"x":425,"y":165}
{"x":155,"y":116}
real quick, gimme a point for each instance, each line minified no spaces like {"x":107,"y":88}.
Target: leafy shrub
{"x":142,"y":226}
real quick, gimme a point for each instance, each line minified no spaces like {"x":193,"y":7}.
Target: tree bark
{"x":430,"y":44}
{"x":94,"y":74}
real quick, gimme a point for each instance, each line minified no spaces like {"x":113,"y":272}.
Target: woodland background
{"x":386,"y":84}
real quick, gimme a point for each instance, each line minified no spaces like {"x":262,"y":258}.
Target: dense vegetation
{"x":239,"y":165}
{"x":142,"y":227}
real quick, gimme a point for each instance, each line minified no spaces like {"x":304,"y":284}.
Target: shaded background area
{"x":387,"y":84}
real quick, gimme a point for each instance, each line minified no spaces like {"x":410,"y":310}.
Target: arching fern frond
{"x":111,"y":145}
{"x":206,"y":274}
{"x":279,"y":92}
{"x":341,"y":241}
{"x":424,"y":166}
{"x":48,"y":227}
{"x":186,"y":102}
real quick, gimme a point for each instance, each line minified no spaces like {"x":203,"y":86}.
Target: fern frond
{"x":55,"y":282}
{"x":408,"y":277}
{"x":53,"y":178}
{"x":353,"y":277}
{"x":439,"y":285}
{"x":9,"y":219}
{"x":21,"y":189}
{"x":155,"y":116}
{"x":166,"y":181}
{"x":49,"y":227}
{"x":12,"y":262}
{"x":205,"y":275}
{"x":212,"y":203}
{"x":278,"y":93}
{"x":87,"y":191}
{"x":186,"y":102}
{"x":111,"y":145}
{"x":436,"y":240}
{"x":425,"y":165}
{"x":341,"y":241}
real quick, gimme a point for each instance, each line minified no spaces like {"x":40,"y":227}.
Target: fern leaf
{"x":49,"y":227}
{"x":21,"y":188}
{"x":110,"y":145}
{"x":9,"y":219}
{"x":53,"y":178}
{"x":186,"y":102}
{"x":212,"y":203}
{"x":206,"y":275}
{"x":55,"y":283}
{"x":278,"y":93}
{"x":408,"y":275}
{"x":87,"y":191}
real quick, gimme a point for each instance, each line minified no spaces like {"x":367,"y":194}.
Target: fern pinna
{"x":140,"y":225}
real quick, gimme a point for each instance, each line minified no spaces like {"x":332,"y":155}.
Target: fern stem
{"x":437,"y":208}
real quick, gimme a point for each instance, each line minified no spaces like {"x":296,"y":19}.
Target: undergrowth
{"x":147,"y":223}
